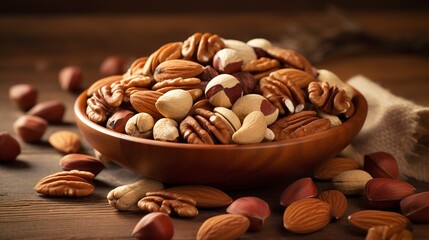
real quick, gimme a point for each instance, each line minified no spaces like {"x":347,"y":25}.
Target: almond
{"x":300,"y":189}
{"x":337,"y":200}
{"x":65,"y":141}
{"x":177,"y":68}
{"x":205,"y":196}
{"x":52,"y":111}
{"x":144,"y":101}
{"x":82,"y":162}
{"x":331,"y":168}
{"x":367,"y":219}
{"x":307,"y":215}
{"x":225,"y":226}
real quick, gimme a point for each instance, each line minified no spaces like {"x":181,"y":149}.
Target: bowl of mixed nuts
{"x":220,"y":112}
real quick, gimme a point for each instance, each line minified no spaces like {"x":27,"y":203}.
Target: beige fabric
{"x":394,"y":125}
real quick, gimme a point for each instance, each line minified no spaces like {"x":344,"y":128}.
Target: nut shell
{"x":254,"y":208}
{"x":351,"y":182}
{"x":367,"y":219}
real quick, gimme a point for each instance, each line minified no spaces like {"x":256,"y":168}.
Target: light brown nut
{"x":262,"y":64}
{"x":118,"y":120}
{"x":10,"y":148}
{"x":144,"y":101}
{"x":366,"y":219}
{"x":227,"y":60}
{"x":24,"y":95}
{"x":176,"y":68}
{"x":224,"y":226}
{"x":228,"y":116}
{"x":169,"y":203}
{"x":174,"y":104}
{"x":97,"y":108}
{"x":215,"y":126}
{"x":30,"y":128}
{"x":65,"y":141}
{"x":252,"y":130}
{"x":70,"y":78}
{"x":66,"y":184}
{"x":291,"y":58}
{"x":113,"y":94}
{"x":192,"y":131}
{"x":254,"y":208}
{"x":102,"y":82}
{"x":136,"y":67}
{"x":113,"y":65}
{"x":388,"y":233}
{"x":299,"y":189}
{"x":81,"y":162}
{"x":205,"y":196}
{"x":202,"y":46}
{"x":351,"y":182}
{"x":334,"y":166}
{"x":154,"y":225}
{"x":255,"y":102}
{"x":166,"y":129}
{"x":261,"y":43}
{"x":324,"y":75}
{"x":140,"y":125}
{"x":307,"y":215}
{"x":337,"y":200}
{"x":223,"y":90}
{"x":299,"y":77}
{"x":245,"y":52}
{"x":166,"y":52}
{"x":52,"y":111}
{"x":177,"y":83}
{"x":126,"y":196}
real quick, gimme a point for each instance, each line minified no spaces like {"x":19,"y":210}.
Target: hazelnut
{"x":386,"y":193}
{"x":155,"y":225}
{"x":255,"y":209}
{"x":24,"y":95}
{"x":227,"y":61}
{"x":113,"y":65}
{"x":30,"y":128}
{"x":52,"y":111}
{"x":223,"y":90}
{"x":166,"y":129}
{"x":70,"y":78}
{"x":416,"y":207}
{"x":381,"y":165}
{"x":118,"y":120}
{"x":300,"y":189}
{"x":10,"y":148}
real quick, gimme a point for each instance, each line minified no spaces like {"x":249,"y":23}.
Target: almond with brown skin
{"x":144,"y":101}
{"x":205,"y":196}
{"x":386,"y":193}
{"x":225,"y":226}
{"x":52,"y":111}
{"x":337,"y":200}
{"x":416,"y":207}
{"x":307,"y":215}
{"x":300,"y":189}
{"x":331,"y":168}
{"x":24,"y":95}
{"x":367,"y":219}
{"x":172,"y":69}
{"x":82,"y":162}
{"x":65,"y":141}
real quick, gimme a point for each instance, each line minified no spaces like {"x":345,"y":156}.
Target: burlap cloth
{"x":394,"y":125}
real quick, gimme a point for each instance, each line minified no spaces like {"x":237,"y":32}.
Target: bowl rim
{"x":358,"y":99}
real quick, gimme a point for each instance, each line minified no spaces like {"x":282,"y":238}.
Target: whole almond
{"x":337,"y":200}
{"x":300,"y":189}
{"x":30,"y":128}
{"x":381,"y":165}
{"x":177,"y":68}
{"x":52,"y":111}
{"x":155,"y":225}
{"x":307,"y":215}
{"x":205,"y":196}
{"x":367,"y":219}
{"x":386,"y":193}
{"x":144,"y":101}
{"x":331,"y":168}
{"x":65,"y":141}
{"x":351,"y":182}
{"x":9,"y":147}
{"x":24,"y":95}
{"x":416,"y":207}
{"x":82,"y":162}
{"x":225,"y":227}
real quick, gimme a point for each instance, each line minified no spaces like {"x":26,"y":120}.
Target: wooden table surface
{"x":34,"y":48}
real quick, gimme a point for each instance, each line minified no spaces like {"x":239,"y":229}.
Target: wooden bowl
{"x":224,"y":166}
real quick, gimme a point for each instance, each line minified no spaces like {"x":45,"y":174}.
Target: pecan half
{"x":177,"y":83}
{"x":330,"y":99}
{"x":202,"y":46}
{"x":168,"y":202}
{"x":166,"y":52}
{"x":136,"y":67}
{"x":72,"y":183}
{"x":299,"y":125}
{"x":261,"y":65}
{"x":283,"y":93}
{"x":291,"y":58}
{"x":97,"y":108}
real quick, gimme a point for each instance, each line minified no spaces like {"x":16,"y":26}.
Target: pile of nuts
{"x":211,"y":90}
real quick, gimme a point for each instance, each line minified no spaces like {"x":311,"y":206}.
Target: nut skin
{"x":223,"y":90}
{"x":24,"y":95}
{"x":30,"y":128}
{"x":300,"y":189}
{"x":254,"y":208}
{"x":255,"y":102}
{"x":331,"y":168}
{"x":81,"y":162}
{"x":366,"y":219}
{"x":416,"y":207}
{"x":118,"y":120}
{"x":245,"y":52}
{"x":225,"y":226}
{"x":70,"y":78}
{"x":351,"y":182}
{"x":381,"y":165}
{"x":227,"y":60}
{"x":9,"y":147}
{"x":155,"y":225}
{"x":113,"y":65}
{"x":52,"y":111}
{"x":386,"y":193}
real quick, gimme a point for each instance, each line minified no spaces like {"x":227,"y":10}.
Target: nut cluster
{"x":259,"y":88}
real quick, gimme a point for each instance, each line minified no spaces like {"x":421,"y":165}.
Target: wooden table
{"x":34,"y":48}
